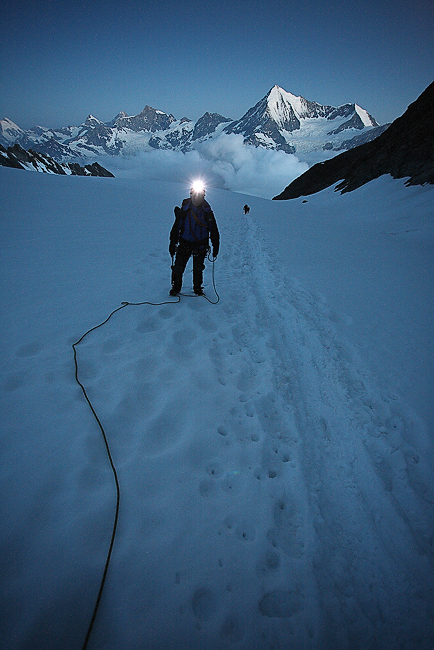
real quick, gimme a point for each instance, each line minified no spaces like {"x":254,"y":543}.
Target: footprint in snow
{"x":149,"y":325}
{"x":184,"y":337}
{"x":14,"y":381}
{"x":204,"y":604}
{"x":29,"y":350}
{"x":111,"y":345}
{"x":232,"y":630}
{"x":281,"y":604}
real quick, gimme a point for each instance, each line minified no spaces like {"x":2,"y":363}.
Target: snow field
{"x":216,"y":465}
{"x":276,"y":492}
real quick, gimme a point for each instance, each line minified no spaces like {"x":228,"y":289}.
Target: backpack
{"x":195,"y":222}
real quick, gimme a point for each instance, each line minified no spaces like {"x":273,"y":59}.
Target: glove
{"x":172,"y":249}
{"x":215,"y":252}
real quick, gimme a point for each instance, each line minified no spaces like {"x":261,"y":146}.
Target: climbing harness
{"x":94,"y":413}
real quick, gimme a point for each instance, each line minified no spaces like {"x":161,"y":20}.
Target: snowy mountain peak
{"x":7,"y":123}
{"x":9,"y":131}
{"x":118,"y":117}
{"x":280,"y":97}
{"x":280,"y":121}
{"x":282,"y":104}
{"x":278,"y":94}
{"x":403,"y":150}
{"x":283,"y":107}
{"x":290,"y":123}
{"x":366,"y":119}
{"x":92,"y":121}
{"x":150,"y":120}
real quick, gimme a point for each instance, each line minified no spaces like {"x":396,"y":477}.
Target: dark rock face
{"x":207,"y":124}
{"x":50,"y":148}
{"x":258,"y":122}
{"x":98,"y":136}
{"x":357,"y":140}
{"x":149,"y":119}
{"x":405,"y":149}
{"x":7,"y":159}
{"x":89,"y":170}
{"x":19,"y":158}
{"x":277,"y":138}
{"x":354,"y":122}
{"x":258,"y":119}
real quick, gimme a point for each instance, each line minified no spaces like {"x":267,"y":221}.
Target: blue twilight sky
{"x":61,"y":60}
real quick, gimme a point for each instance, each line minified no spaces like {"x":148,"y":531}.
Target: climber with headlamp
{"x":194,"y":226}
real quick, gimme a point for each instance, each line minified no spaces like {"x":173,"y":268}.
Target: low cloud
{"x":224,"y":162}
{"x":251,"y":170}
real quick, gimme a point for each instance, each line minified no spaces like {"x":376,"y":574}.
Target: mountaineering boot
{"x":198,"y":267}
{"x":176,"y":283}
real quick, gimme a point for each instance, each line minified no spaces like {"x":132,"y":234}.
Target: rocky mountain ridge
{"x":404,"y":150}
{"x":279,"y":114}
{"x":279,"y":121}
{"x":19,"y":158}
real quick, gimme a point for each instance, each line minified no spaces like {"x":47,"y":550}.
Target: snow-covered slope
{"x":274,"y":451}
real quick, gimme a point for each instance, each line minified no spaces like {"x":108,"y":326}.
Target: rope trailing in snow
{"x":212,"y":260}
{"x":115,"y":523}
{"x":112,"y":465}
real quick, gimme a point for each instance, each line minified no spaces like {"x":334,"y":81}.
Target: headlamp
{"x":198,"y":188}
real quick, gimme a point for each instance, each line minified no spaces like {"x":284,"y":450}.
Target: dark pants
{"x":185,"y":250}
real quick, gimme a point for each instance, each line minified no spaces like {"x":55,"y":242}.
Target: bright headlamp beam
{"x":198,"y":187}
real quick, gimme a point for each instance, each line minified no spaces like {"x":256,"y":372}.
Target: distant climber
{"x":194,"y":225}
{"x":246,"y":209}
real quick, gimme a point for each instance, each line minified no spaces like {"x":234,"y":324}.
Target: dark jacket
{"x":196,"y":226}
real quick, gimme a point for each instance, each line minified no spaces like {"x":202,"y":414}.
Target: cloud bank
{"x":224,"y":162}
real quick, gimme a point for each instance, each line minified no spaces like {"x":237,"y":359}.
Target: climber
{"x":194,"y":226}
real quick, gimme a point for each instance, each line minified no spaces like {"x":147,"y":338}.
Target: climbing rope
{"x":212,"y":260}
{"x":112,"y":465}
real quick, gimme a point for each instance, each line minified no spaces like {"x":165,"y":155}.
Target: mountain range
{"x":279,"y":121}
{"x":404,"y":150}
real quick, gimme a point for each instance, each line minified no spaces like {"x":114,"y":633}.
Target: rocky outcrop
{"x":404,"y":150}
{"x":19,"y":158}
{"x":149,"y":119}
{"x":207,"y":124}
{"x":357,"y":140}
